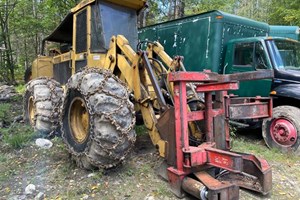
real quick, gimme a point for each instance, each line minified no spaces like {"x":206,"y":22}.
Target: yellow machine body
{"x":119,"y":57}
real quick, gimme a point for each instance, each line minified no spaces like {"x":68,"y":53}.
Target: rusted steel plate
{"x":224,"y":159}
{"x":166,"y":128}
{"x":248,"y":108}
{"x":192,"y":76}
{"x":248,"y":111}
{"x":210,"y":87}
{"x":247,"y":76}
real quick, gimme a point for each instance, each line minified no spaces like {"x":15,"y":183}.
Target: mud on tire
{"x":98,"y":119}
{"x":42,"y":103}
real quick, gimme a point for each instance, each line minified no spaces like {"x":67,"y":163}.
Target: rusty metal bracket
{"x":248,"y":107}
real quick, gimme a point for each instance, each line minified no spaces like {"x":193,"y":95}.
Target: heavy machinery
{"x":96,"y":84}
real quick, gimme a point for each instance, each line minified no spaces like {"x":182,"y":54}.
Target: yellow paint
{"x":31,"y":110}
{"x":42,"y":66}
{"x":79,"y":120}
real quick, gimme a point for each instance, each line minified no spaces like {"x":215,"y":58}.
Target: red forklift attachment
{"x":211,"y":170}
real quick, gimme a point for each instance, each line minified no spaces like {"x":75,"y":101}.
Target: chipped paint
{"x":175,"y":40}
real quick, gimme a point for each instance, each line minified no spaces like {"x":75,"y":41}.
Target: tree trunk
{"x":8,"y":56}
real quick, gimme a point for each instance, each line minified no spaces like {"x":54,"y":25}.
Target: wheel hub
{"x":79,"y":120}
{"x":283,"y":132}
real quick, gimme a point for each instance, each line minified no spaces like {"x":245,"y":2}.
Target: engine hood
{"x":287,"y":76}
{"x":288,"y":90}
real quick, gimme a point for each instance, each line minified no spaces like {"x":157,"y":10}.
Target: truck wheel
{"x":42,"y":101}
{"x":97,"y":119}
{"x":282,"y":131}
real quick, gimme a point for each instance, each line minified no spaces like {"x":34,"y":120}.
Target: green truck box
{"x":291,"y":32}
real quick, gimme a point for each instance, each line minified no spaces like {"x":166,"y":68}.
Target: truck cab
{"x":279,"y":54}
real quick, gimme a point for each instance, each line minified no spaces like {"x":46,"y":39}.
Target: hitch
{"x":210,"y":170}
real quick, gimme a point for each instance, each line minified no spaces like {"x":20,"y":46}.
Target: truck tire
{"x":97,"y":119}
{"x":42,"y":102}
{"x":282,"y":131}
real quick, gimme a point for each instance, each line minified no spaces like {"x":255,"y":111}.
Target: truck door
{"x":250,"y":56}
{"x":80,"y":41}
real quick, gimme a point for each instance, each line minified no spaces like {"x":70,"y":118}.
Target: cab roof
{"x":64,"y":31}
{"x":134,"y":4}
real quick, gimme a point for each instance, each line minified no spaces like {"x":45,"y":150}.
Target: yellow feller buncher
{"x":93,"y":86}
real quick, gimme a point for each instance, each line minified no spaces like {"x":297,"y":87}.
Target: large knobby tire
{"x":42,"y":103}
{"x":282,"y":131}
{"x":98,"y":119}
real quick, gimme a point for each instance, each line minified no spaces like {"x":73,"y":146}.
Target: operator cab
{"x":84,"y":36}
{"x":108,"y":20}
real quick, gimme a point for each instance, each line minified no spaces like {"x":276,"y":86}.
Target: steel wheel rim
{"x":79,"y":120}
{"x":283,"y":132}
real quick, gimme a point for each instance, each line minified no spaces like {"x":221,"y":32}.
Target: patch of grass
{"x":17,"y":98}
{"x":141,"y":130}
{"x":97,"y":175}
{"x":4,"y":110}
{"x":20,"y":89}
{"x":17,"y":135}
{"x":162,"y":190}
{"x":3,"y":158}
{"x":232,"y":131}
{"x":67,"y":168}
{"x":256,"y":148}
{"x":145,"y":169}
{"x":8,"y":173}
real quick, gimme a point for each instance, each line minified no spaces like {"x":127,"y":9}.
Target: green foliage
{"x":282,"y":12}
{"x":4,"y":111}
{"x":30,"y":22}
{"x":17,"y":135}
{"x":141,"y":130}
{"x":232,"y":131}
{"x":20,"y":89}
{"x":3,"y":157}
{"x":195,"y":7}
{"x":285,"y":12}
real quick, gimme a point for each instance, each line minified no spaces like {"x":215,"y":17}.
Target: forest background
{"x":24,"y":23}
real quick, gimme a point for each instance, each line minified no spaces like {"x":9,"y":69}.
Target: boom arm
{"x":131,"y":66}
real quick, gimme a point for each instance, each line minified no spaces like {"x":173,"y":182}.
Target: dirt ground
{"x":55,"y":176}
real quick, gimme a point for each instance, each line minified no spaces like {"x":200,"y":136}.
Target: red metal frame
{"x":188,"y":158}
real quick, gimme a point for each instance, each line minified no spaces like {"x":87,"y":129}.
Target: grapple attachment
{"x":210,"y":170}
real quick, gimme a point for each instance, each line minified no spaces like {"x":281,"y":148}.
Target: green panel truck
{"x":226,"y":44}
{"x":291,"y":32}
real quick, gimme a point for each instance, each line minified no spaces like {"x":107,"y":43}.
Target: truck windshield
{"x":108,"y":20}
{"x":287,"y":55}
